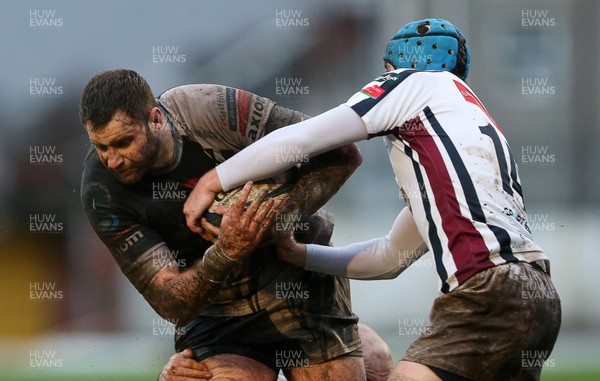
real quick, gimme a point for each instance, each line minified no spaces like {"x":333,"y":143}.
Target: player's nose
{"x":114,"y":158}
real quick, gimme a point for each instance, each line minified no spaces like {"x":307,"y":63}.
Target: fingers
{"x":209,"y":231}
{"x":240,"y":204}
{"x":182,"y":366}
{"x":247,"y":215}
{"x":194,"y":207}
{"x":187,"y":353}
{"x":272,"y":210}
{"x":255,"y":206}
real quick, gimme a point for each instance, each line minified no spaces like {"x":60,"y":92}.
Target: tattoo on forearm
{"x":178,"y":296}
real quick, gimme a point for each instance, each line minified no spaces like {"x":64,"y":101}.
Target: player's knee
{"x":347,"y":368}
{"x":377,"y":356}
{"x":227,"y":367}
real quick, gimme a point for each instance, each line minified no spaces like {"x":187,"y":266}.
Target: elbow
{"x":176,"y":313}
{"x":166,"y":304}
{"x":350,"y":154}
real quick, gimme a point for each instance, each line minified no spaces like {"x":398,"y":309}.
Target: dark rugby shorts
{"x":308,"y":325}
{"x":499,"y":325}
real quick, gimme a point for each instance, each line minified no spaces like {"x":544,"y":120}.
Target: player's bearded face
{"x":128,"y":148}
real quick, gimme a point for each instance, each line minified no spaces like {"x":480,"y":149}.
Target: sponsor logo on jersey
{"x":231,"y":100}
{"x":378,"y":89}
{"x":256,"y":118}
{"x":374,"y":91}
{"x":130,"y":240}
{"x":192,"y":183}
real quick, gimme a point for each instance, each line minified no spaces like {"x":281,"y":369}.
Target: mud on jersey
{"x":143,"y":224}
{"x":455,"y":170}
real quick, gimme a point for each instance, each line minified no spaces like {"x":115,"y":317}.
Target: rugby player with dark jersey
{"x":147,"y":155}
{"x":498,"y":315}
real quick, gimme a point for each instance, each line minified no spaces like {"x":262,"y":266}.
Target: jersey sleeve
{"x":381,"y":258}
{"x":220,"y":118}
{"x":138,"y":249}
{"x":388,"y":101}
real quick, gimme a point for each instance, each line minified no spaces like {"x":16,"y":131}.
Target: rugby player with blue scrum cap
{"x":464,"y":204}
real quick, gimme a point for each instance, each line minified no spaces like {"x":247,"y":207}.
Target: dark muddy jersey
{"x":143,"y":224}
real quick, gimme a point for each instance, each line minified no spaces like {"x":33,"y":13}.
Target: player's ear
{"x":388,"y":66}
{"x":156,"y":118}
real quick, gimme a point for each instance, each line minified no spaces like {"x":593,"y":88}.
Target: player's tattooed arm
{"x":321,"y":176}
{"x":179,"y":296}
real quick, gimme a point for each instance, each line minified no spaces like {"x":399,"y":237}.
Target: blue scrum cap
{"x":429,"y":44}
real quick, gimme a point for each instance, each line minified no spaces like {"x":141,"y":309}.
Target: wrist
{"x":210,"y":181}
{"x":216,"y":264}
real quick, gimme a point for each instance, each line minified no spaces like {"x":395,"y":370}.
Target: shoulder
{"x":192,"y":95}
{"x":99,"y":188}
{"x":223,"y":97}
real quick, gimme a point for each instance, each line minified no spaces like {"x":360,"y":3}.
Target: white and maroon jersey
{"x":455,"y":170}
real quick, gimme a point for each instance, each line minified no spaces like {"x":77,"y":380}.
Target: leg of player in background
{"x":378,"y":363}
{"x":377,"y":356}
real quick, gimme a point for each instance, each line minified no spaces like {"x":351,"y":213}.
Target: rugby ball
{"x":276,"y":188}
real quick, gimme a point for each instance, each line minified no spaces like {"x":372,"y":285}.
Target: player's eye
{"x":101,"y":147}
{"x":123,"y":143}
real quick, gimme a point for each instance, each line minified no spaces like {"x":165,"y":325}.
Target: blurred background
{"x":66,"y":310}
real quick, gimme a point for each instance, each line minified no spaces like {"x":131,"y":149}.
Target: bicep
{"x":281,"y":117}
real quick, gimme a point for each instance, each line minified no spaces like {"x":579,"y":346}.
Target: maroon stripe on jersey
{"x":465,"y":243}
